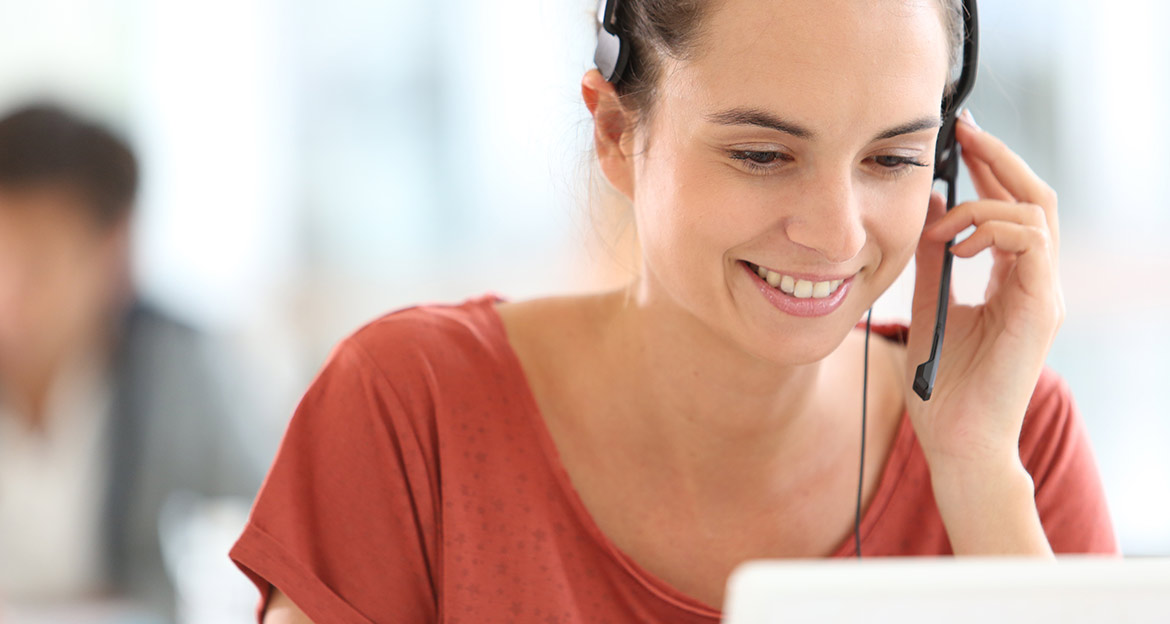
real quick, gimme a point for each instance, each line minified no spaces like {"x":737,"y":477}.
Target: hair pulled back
{"x":657,"y":30}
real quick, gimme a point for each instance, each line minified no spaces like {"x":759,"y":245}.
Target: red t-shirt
{"x":417,"y":483}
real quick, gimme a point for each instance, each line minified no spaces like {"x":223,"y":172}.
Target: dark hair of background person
{"x":44,"y":145}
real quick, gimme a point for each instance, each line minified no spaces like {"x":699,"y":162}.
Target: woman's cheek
{"x":681,"y":208}
{"x":902,"y":228}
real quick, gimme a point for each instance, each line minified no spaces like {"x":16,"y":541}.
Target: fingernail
{"x":968,"y":119}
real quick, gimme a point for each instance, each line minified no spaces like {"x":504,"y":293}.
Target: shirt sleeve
{"x":344,"y":524}
{"x":1054,"y":446}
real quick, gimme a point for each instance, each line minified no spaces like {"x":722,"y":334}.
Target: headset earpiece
{"x":612,"y":51}
{"x":963,"y":87}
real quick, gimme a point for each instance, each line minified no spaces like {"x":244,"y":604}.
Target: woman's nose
{"x":828,"y":220}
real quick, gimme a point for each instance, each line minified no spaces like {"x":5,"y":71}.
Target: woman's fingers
{"x":978,"y":212}
{"x":986,"y":184}
{"x":1031,"y":245}
{"x":1014,"y":238}
{"x":1008,"y":229}
{"x":1008,"y":169}
{"x":1001,"y":267}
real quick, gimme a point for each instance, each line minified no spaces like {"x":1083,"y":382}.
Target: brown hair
{"x":45,"y":145}
{"x":659,"y":29}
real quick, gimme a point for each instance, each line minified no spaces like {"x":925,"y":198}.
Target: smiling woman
{"x":613,"y":456}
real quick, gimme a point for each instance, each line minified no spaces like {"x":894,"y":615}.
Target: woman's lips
{"x":791,"y":303}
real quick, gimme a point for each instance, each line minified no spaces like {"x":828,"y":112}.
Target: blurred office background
{"x":309,"y":165}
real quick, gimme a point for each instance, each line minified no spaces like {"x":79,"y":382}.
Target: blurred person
{"x":108,"y":407}
{"x":612,"y":457}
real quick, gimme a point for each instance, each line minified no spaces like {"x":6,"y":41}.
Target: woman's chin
{"x":796,"y":348}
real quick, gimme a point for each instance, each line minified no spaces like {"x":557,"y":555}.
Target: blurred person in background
{"x":107,"y":406}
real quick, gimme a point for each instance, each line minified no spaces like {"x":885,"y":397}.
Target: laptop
{"x":1071,"y":590}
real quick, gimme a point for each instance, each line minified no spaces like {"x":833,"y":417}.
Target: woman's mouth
{"x":799,"y":288}
{"x":799,"y":295}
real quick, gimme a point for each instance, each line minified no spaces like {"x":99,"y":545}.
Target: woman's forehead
{"x":806,"y":23}
{"x":827,"y":61}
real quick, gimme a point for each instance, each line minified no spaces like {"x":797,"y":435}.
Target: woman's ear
{"x":612,"y":132}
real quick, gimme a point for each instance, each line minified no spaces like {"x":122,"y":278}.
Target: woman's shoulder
{"x":425,"y":351}
{"x":417,"y":368}
{"x":432,"y":336}
{"x":429,"y":326}
{"x":485,"y":331}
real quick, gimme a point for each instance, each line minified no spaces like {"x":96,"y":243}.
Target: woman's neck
{"x":696,"y":399}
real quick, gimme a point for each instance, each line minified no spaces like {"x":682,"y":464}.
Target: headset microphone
{"x":946,"y":168}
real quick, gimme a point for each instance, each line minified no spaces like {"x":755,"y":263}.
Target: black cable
{"x":861,"y":470}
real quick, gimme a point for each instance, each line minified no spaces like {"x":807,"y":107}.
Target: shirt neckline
{"x":887,"y":483}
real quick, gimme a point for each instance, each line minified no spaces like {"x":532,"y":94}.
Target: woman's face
{"x":800,"y":139}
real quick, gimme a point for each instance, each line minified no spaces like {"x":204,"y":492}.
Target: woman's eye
{"x":897,"y":162}
{"x":757,"y":159}
{"x":769,"y":161}
{"x":762,"y":158}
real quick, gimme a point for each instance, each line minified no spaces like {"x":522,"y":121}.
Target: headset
{"x":612,"y":56}
{"x":612,"y":51}
{"x":946,"y":169}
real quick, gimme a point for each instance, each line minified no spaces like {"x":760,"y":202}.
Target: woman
{"x":611,"y":457}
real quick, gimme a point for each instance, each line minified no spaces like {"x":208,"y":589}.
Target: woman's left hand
{"x":992,"y":353}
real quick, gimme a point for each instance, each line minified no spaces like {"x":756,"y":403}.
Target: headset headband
{"x":963,"y":86}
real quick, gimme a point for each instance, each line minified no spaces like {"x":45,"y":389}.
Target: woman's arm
{"x":281,"y":610}
{"x":989,"y":510}
{"x":315,"y":526}
{"x":994,"y":352}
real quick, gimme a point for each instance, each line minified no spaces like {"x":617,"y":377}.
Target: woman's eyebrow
{"x":922,"y":123}
{"x":757,"y":117}
{"x":764,"y":119}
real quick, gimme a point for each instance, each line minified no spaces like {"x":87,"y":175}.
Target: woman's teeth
{"x":801,"y":289}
